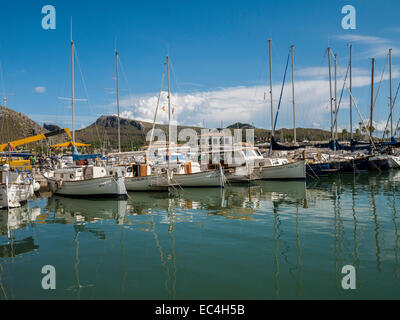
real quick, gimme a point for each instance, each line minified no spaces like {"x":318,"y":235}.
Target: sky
{"x":219,"y":60}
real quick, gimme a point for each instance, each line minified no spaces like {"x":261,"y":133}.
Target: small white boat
{"x":87,"y":181}
{"x":15,"y":188}
{"x":282,"y":169}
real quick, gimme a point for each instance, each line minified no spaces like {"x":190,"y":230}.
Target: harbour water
{"x":272,"y":240}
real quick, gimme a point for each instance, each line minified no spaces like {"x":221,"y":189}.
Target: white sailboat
{"x":181,"y":171}
{"x":137,"y":176}
{"x":89,"y":180}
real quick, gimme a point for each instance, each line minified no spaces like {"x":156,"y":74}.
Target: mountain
{"x":51,"y":127}
{"x":240,"y":125}
{"x":104,"y":132}
{"x":15,"y":125}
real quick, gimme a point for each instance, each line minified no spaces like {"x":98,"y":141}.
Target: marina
{"x":212,"y":150}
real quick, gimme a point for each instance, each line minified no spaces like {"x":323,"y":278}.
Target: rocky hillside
{"x":16,"y":125}
{"x":104,"y":133}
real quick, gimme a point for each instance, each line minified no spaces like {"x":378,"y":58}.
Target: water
{"x":274,"y":240}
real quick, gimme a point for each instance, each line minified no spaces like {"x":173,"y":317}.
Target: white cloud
{"x":375,"y":47}
{"x":40,"y":89}
{"x":247,"y":104}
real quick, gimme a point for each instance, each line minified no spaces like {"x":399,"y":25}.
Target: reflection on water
{"x":274,"y":240}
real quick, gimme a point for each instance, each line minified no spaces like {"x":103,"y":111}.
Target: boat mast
{"x":169,"y":94}
{"x":330,"y":89}
{"x":270,"y":89}
{"x":119,"y":122}
{"x":294,"y":113}
{"x":336,"y":109}
{"x":351,"y":103}
{"x":391,"y":101}
{"x":169,"y":112}
{"x":73,"y":91}
{"x":372,"y":97}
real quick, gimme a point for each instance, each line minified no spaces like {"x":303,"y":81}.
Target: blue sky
{"x":218,"y":51}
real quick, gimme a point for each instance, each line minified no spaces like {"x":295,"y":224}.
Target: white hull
{"x":394,"y":162}
{"x":200,"y":179}
{"x":294,"y":170}
{"x":148,"y":183}
{"x":14,"y":194}
{"x":104,"y":186}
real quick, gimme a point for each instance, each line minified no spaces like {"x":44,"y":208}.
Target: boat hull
{"x":200,"y":179}
{"x":148,"y":183}
{"x":241,"y":174}
{"x":13,"y":195}
{"x":289,"y":171}
{"x":96,"y":187}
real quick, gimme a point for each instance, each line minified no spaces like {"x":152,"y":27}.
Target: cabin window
{"x":71,"y":175}
{"x":62,"y":175}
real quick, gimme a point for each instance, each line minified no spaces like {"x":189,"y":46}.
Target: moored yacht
{"x":87,"y":181}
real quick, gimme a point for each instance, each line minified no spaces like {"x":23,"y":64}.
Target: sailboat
{"x":138,"y":176}
{"x":180,"y":170}
{"x":275,"y":167}
{"x":88,"y":180}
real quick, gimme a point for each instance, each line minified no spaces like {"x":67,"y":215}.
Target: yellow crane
{"x":12,"y":144}
{"x":20,"y":163}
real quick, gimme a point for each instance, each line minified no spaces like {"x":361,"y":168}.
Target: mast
{"x":336,"y":109}
{"x":73,"y":91}
{"x":294,"y":111}
{"x":169,"y":94}
{"x":330,"y":89}
{"x":391,"y":100}
{"x":169,"y":113}
{"x":351,"y":103}
{"x":270,"y":89}
{"x":372,"y":97}
{"x":119,"y":122}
